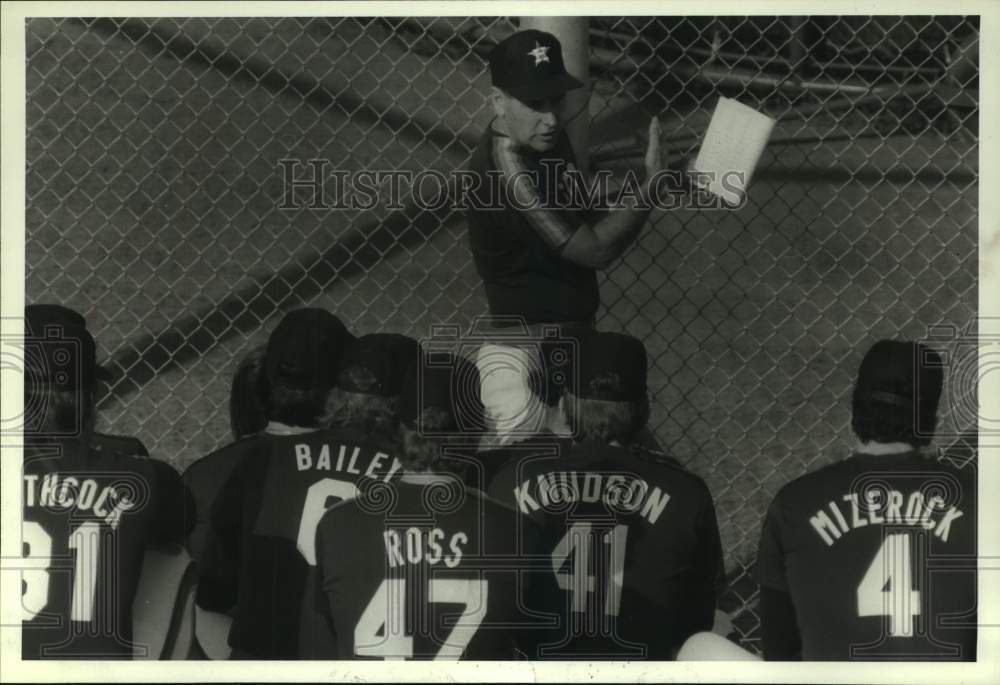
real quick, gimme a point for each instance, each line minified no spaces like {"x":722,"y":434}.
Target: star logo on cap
{"x":540,"y":53}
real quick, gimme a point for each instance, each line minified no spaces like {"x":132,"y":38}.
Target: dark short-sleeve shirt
{"x":878,"y":555}
{"x":633,"y":540}
{"x":430,"y":571}
{"x":206,"y":477}
{"x":521,"y":212}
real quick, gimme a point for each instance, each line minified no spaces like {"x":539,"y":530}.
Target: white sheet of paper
{"x":732,"y":147}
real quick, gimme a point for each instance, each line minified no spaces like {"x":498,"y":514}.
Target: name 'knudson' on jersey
{"x":624,"y":493}
{"x":897,"y":508}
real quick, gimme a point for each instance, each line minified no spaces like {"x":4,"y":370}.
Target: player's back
{"x":633,"y":543}
{"x":206,"y":477}
{"x":878,"y":555}
{"x":428,"y":570}
{"x":262,"y":530}
{"x":87,"y":518}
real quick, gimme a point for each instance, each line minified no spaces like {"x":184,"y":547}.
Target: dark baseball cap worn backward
{"x":610,"y":366}
{"x":386,"y":357}
{"x":898,"y":373}
{"x":899,"y":381}
{"x":529,"y":65}
{"x":305,"y":349}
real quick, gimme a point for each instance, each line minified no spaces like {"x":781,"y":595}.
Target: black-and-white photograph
{"x":496,"y":338}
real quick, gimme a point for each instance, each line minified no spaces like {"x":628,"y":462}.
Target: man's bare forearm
{"x":619,"y":228}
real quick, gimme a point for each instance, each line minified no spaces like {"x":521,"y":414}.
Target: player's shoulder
{"x":845,"y":472}
{"x":124,"y":445}
{"x":658,"y":457}
{"x":537,"y":449}
{"x":109,"y":459}
{"x":828,"y":476}
{"x":643,"y":459}
{"x":663,"y":466}
{"x":489,"y":505}
{"x":226,"y":457}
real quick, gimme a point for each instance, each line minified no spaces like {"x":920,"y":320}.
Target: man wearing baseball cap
{"x":431,"y":544}
{"x":368,"y":386}
{"x":633,"y":536}
{"x":262,"y":528}
{"x":105,"y":504}
{"x":535,"y":242}
{"x":847,"y":553}
{"x":42,"y":317}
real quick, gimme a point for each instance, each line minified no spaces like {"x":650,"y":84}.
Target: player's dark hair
{"x":296,"y":406}
{"x":606,"y":420}
{"x":248,"y":396}
{"x":880,"y":422}
{"x":49,"y":410}
{"x":904,"y":409}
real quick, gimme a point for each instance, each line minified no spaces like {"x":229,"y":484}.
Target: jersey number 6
{"x":317,"y":502}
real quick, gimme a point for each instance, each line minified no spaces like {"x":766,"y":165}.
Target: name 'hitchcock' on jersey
{"x":60,"y":491}
{"x":896,"y":508}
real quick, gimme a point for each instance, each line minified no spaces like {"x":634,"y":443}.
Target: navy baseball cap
{"x":529,"y":65}
{"x":443,"y":381}
{"x":305,"y":349}
{"x":376,"y":363}
{"x":610,"y":366}
{"x":906,"y":375}
{"x":39,"y":317}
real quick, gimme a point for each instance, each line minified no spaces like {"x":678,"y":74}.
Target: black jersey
{"x":430,"y":569}
{"x":878,"y":554}
{"x":633,"y":543}
{"x":261,"y":538}
{"x":525,"y":208}
{"x":485,"y":465}
{"x":88,"y":517}
{"x":206,"y":477}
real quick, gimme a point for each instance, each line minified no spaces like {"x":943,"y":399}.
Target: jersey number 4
{"x":85,"y":541}
{"x":886,"y":589}
{"x":381,"y":630}
{"x":575,"y":547}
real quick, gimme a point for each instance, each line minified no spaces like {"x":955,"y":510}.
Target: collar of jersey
{"x":279,"y":428}
{"x":884,"y":449}
{"x":427,"y":477}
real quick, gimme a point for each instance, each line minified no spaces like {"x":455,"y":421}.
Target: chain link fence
{"x":157,"y":205}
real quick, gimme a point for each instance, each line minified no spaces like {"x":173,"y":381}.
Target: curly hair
{"x":249,"y":395}
{"x":362,"y":412}
{"x":296,"y":406}
{"x":606,"y":420}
